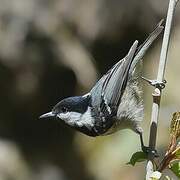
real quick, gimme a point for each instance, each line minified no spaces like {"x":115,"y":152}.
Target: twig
{"x":158,"y":90}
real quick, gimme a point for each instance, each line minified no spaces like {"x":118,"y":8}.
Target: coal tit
{"x":114,"y":103}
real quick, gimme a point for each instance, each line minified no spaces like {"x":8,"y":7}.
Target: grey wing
{"x":109,"y":89}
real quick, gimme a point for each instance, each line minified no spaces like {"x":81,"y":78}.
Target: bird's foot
{"x":156,"y":83}
{"x":148,"y":150}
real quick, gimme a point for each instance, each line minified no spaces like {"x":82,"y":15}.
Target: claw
{"x":164,"y":81}
{"x":155,"y":83}
{"x":148,"y":150}
{"x":145,"y":149}
{"x":147,"y":80}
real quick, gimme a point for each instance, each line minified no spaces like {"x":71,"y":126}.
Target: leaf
{"x":175,"y":168}
{"x":137,"y":157}
{"x":177,"y":154}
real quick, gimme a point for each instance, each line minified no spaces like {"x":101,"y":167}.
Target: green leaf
{"x":137,"y":157}
{"x":178,"y":153}
{"x":175,"y":168}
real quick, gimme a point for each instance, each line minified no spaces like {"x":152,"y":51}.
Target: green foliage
{"x":177,"y":154}
{"x":137,"y":157}
{"x":175,"y":168}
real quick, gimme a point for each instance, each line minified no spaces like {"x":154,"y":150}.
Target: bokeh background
{"x":51,"y":49}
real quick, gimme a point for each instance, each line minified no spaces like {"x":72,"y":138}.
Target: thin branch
{"x":158,"y":90}
{"x":165,"y":44}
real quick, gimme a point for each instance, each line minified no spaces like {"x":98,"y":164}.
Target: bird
{"x":115,"y":102}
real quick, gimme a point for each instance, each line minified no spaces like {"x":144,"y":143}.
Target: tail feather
{"x":145,"y":46}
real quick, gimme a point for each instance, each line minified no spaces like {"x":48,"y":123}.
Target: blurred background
{"x":51,"y":49}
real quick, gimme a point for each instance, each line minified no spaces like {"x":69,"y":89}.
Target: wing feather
{"x":107,"y":93}
{"x":114,"y":83}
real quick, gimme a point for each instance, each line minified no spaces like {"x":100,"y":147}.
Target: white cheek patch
{"x":70,"y":118}
{"x":63,"y":116}
{"x":78,"y":119}
{"x":86,"y":119}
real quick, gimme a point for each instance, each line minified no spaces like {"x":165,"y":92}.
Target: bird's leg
{"x":155,"y":83}
{"x":147,"y":149}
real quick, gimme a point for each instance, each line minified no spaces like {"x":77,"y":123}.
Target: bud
{"x":175,"y":125}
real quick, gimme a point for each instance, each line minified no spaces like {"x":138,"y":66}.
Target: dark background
{"x":51,"y":49}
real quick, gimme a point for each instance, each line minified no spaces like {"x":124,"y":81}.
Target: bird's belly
{"x":130,"y":111}
{"x":119,"y":124}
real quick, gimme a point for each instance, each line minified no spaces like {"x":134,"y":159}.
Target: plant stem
{"x":165,"y":44}
{"x":158,"y":91}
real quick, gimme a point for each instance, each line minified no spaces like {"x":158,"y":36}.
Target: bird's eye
{"x":64,"y":109}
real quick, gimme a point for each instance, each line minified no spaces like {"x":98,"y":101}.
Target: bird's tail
{"x":147,"y":43}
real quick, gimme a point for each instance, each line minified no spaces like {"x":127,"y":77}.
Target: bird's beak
{"x":47,"y":115}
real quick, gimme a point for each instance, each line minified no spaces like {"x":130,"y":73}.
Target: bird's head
{"x":69,"y":110}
